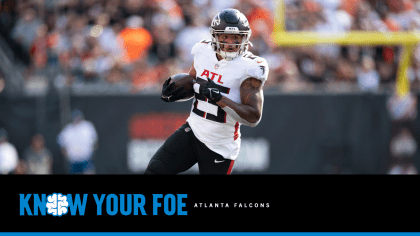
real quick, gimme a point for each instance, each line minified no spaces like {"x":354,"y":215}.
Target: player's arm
{"x":192,"y":71}
{"x":252,"y":103}
{"x":249,"y":111}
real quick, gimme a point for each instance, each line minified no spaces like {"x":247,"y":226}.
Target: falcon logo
{"x":216,"y":21}
{"x":246,"y":23}
{"x":263,"y":69}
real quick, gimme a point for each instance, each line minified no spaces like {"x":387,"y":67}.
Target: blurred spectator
{"x":403,"y":144}
{"x":345,"y":70}
{"x":8,"y":154}
{"x":292,"y":16}
{"x":196,"y":30}
{"x":402,"y":12}
{"x":136,"y":40}
{"x":403,"y":169}
{"x":78,"y":141}
{"x":106,"y":35}
{"x":100,"y":41}
{"x":387,"y":72}
{"x":367,"y":77}
{"x":117,"y":76}
{"x":96,"y":63}
{"x":285,"y":71}
{"x":402,"y":108}
{"x":146,"y":78}
{"x":350,"y":6}
{"x":261,"y":21}
{"x":26,"y":28}
{"x":21,"y":168}
{"x":414,"y":70}
{"x":312,"y":68}
{"x":173,"y":11}
{"x":37,"y":157}
{"x":38,"y":48}
{"x":367,"y":19}
{"x":163,"y":46}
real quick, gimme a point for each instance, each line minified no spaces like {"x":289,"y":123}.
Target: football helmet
{"x":230,"y":21}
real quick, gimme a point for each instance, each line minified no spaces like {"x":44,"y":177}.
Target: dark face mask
{"x":224,"y":43}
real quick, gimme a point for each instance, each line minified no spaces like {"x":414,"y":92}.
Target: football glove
{"x":211,"y":91}
{"x":169,"y":95}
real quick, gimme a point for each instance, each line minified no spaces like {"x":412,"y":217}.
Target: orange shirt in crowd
{"x":311,"y":6}
{"x":350,"y":6}
{"x":388,"y":51}
{"x":261,"y":22}
{"x":257,"y":15}
{"x":136,"y":43}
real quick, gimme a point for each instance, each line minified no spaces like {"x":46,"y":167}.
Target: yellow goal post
{"x":363,"y":38}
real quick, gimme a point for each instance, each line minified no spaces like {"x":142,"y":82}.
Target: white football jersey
{"x":210,"y":124}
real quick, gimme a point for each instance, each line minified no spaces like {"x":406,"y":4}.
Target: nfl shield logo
{"x":216,"y":66}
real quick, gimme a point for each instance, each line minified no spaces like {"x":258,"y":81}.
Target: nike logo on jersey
{"x":216,"y":161}
{"x":259,"y":61}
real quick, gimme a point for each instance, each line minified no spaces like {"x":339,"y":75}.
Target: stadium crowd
{"x":139,"y":43}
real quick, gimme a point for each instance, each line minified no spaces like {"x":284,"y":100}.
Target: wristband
{"x":196,"y":87}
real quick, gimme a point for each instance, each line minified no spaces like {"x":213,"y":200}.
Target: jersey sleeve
{"x":258,"y":69}
{"x":198,"y":47}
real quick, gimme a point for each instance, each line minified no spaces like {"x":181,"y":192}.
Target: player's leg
{"x":175,"y":156}
{"x":211,"y":163}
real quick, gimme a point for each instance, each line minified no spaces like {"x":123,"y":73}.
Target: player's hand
{"x":211,"y":91}
{"x":169,"y":95}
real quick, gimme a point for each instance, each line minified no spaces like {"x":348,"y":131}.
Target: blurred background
{"x":80,"y":85}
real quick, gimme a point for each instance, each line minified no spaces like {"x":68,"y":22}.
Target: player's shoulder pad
{"x":257,"y":67}
{"x":200,"y":46}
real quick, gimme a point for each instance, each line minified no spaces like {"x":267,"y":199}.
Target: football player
{"x":231,"y":97}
